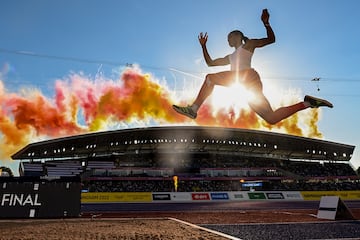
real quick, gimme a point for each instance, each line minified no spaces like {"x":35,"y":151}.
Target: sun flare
{"x":233,"y":96}
{"x":236,"y":97}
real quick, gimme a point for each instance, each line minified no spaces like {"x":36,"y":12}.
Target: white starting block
{"x":332,"y":208}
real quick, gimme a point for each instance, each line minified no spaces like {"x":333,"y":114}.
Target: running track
{"x":206,"y":206}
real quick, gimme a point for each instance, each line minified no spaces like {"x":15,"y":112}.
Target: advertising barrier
{"x":219,"y":196}
{"x":275,"y":195}
{"x":141,"y":197}
{"x":256,"y":195}
{"x":161,"y":197}
{"x":181,"y":196}
{"x":200,"y":196}
{"x":344,"y":195}
{"x":238,"y":196}
{"x":116,"y":197}
{"x":39,"y":198}
{"x":296,"y":196}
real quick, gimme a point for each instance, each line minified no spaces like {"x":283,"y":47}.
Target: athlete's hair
{"x":240,"y":34}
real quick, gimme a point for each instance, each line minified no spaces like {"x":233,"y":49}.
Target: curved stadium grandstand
{"x":201,"y":158}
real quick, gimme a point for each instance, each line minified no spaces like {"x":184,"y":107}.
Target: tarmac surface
{"x":296,"y":231}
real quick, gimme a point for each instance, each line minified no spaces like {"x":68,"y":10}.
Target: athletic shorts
{"x":250,"y":79}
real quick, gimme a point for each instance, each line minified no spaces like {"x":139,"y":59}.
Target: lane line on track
{"x":206,"y":229}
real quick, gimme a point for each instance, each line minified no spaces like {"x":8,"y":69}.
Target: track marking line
{"x":205,"y":229}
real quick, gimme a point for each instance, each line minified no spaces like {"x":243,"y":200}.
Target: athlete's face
{"x":233,"y":39}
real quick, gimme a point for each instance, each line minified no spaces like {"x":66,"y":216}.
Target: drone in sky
{"x":317,"y":80}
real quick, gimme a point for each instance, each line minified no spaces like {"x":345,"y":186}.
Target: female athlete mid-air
{"x":240,"y":69}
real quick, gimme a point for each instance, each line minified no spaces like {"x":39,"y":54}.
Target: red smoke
{"x":82,"y":105}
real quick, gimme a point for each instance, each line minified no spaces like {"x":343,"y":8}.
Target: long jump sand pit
{"x":105,"y":229}
{"x":149,"y":225}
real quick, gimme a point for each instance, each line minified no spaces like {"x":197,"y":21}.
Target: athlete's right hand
{"x":203,"y":38}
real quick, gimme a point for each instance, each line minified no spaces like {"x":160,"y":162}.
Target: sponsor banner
{"x":161,"y":197}
{"x":252,"y":184}
{"x":200,"y":196}
{"x":246,"y":195}
{"x":181,"y":196}
{"x":238,"y":196}
{"x":274,"y":195}
{"x":256,"y":195}
{"x":219,"y":196}
{"x":114,"y":197}
{"x":292,"y":195}
{"x":344,"y":195}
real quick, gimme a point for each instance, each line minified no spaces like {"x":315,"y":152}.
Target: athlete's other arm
{"x":257,"y":43}
{"x":209,"y":61}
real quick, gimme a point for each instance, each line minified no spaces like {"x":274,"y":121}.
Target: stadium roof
{"x":194,"y":139}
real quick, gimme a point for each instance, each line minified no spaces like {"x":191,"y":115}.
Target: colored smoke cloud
{"x":82,"y":105}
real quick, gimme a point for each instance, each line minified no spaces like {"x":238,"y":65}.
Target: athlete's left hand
{"x":265,"y":16}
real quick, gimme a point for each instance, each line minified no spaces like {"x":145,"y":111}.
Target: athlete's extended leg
{"x":262,"y":107}
{"x":221,"y":78}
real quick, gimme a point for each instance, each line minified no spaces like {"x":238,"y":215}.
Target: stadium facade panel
{"x":173,"y":140}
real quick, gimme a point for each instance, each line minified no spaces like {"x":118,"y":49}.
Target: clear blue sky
{"x":313,"y":39}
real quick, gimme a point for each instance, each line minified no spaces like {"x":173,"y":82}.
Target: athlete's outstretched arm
{"x":270,"y":33}
{"x":209,"y":61}
{"x":270,"y":38}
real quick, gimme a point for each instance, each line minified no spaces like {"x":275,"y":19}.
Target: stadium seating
{"x":201,"y":174}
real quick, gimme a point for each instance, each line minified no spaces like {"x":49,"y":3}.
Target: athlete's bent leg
{"x":221,"y":78}
{"x":205,"y":91}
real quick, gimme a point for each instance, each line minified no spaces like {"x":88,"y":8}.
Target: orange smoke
{"x":82,"y":105}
